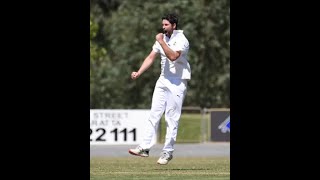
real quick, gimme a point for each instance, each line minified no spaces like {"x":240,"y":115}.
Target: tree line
{"x":122,"y":34}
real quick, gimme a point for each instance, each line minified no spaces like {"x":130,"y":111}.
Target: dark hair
{"x":172,"y":18}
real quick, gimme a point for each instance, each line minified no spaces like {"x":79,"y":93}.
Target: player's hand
{"x":159,"y":37}
{"x":135,"y":75}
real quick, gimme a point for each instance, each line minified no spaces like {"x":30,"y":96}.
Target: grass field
{"x":189,"y":128}
{"x":213,"y":168}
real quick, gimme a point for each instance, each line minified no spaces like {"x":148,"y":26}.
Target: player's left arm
{"x":171,"y":54}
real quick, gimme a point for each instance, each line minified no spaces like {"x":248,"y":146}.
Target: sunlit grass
{"x":147,"y":168}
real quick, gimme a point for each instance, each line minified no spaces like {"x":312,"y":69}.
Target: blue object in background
{"x":225,"y":125}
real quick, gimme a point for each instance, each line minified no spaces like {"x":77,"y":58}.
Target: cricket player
{"x":170,"y":89}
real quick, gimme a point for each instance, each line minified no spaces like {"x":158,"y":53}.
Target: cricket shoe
{"x":165,"y":158}
{"x":138,"y":151}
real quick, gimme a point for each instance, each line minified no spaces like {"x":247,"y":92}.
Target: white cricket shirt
{"x":180,"y":68}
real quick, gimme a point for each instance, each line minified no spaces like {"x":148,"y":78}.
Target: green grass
{"x":125,"y":168}
{"x":189,"y":130}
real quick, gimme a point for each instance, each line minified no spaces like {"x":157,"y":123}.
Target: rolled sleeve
{"x":156,"y":47}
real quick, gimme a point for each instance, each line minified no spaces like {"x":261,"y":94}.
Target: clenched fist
{"x":159,"y":37}
{"x":135,"y":75}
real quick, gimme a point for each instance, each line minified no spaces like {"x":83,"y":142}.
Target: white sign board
{"x":117,"y":126}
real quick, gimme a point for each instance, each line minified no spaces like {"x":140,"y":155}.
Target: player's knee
{"x":171,"y":111}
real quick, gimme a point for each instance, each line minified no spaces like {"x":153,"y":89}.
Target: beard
{"x":166,"y":32}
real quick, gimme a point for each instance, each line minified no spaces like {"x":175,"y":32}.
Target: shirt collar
{"x":177,"y":31}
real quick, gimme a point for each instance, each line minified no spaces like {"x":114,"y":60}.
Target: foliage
{"x":127,"y":30}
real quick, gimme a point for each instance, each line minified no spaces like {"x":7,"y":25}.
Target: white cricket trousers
{"x":168,"y":97}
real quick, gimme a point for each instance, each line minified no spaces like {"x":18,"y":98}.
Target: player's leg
{"x":150,"y":130}
{"x":157,"y":109}
{"x":176,"y":95}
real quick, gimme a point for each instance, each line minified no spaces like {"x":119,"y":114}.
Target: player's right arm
{"x":148,"y":61}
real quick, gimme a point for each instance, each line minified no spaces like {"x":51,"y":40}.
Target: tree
{"x":128,"y":32}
